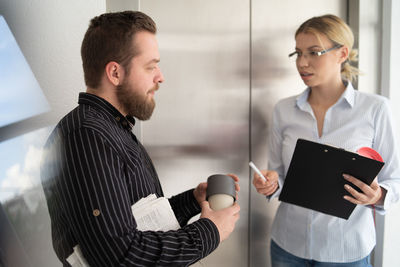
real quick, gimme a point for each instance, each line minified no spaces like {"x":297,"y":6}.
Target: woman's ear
{"x":343,"y":54}
{"x":114,"y":73}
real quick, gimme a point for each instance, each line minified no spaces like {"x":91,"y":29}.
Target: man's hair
{"x":109,"y":38}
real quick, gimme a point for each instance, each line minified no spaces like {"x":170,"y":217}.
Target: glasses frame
{"x":317,"y":53}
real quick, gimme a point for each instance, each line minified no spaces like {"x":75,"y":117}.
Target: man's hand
{"x":200,"y":191}
{"x":224,"y":219}
{"x":371,"y":194}
{"x":268,"y":187}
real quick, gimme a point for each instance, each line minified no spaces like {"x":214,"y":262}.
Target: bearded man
{"x":94,"y":169}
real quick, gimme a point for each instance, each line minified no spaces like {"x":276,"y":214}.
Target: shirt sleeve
{"x":385,"y":143}
{"x":275,"y":161}
{"x":96,"y":200}
{"x":185,"y":206}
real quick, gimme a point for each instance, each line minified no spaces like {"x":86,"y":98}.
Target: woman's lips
{"x":306,"y":76}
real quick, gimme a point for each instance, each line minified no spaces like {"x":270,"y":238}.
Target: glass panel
{"x":20,"y":94}
{"x":25,"y":232}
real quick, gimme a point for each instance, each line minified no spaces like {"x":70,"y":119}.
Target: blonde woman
{"x":329,"y":111}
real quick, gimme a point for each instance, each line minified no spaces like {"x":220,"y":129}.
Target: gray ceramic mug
{"x":221,"y":191}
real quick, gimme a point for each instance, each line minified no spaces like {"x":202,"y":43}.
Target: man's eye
{"x":314,"y":53}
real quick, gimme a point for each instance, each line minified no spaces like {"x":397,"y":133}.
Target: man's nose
{"x":160,"y":77}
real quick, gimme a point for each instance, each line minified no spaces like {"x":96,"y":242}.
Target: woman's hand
{"x":371,"y":194}
{"x":268,"y":187}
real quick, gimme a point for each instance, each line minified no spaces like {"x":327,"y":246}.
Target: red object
{"x":369,"y":153}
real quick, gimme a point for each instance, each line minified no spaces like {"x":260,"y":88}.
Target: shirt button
{"x":117,"y":118}
{"x":96,"y":212}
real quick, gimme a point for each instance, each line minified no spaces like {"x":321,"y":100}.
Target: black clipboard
{"x":315,"y":177}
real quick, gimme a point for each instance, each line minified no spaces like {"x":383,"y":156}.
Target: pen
{"x":251,"y":164}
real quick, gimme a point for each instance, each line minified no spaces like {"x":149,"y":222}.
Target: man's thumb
{"x":205,"y":205}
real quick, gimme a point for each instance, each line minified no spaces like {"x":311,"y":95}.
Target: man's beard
{"x":135,"y":104}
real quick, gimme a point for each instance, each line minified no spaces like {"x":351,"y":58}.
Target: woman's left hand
{"x":371,"y":194}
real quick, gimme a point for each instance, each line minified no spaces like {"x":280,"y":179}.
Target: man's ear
{"x":114,"y":73}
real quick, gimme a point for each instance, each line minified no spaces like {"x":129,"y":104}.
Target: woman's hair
{"x":339,"y":33}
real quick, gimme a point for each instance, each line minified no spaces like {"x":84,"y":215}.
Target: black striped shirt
{"x":93,"y":170}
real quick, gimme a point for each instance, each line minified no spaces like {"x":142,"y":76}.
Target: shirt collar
{"x":301,"y":100}
{"x":99,"y":103}
{"x":348,"y":96}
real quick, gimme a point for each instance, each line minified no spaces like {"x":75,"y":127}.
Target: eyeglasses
{"x":312,"y":54}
